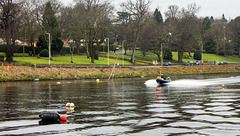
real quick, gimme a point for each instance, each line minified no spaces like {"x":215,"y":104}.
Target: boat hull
{"x":162,"y":81}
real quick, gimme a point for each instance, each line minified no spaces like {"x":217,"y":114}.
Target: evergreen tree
{"x":158,"y":16}
{"x":50,"y":25}
{"x":206,"y":25}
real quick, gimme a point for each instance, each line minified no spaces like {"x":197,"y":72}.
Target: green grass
{"x":66,"y":60}
{"x":104,"y":61}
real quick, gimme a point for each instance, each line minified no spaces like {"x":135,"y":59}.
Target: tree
{"x":234,"y":27}
{"x":9,"y":15}
{"x":31,"y":21}
{"x":184,"y":27}
{"x":50,"y":25}
{"x":158,"y":16}
{"x":138,"y":10}
{"x":89,"y":22}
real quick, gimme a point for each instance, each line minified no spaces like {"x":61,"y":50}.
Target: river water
{"x":189,"y":105}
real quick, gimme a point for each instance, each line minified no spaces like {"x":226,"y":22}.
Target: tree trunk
{"x":180,"y":56}
{"x":92,"y":52}
{"x":133,"y":55}
{"x":239,"y":51}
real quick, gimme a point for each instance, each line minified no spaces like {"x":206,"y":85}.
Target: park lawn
{"x":67,"y":60}
{"x":104,"y":61}
{"x":210,"y":57}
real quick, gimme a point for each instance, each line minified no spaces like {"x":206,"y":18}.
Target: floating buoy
{"x":70,"y":104}
{"x":36,"y":80}
{"x":223,"y":86}
{"x":49,"y":116}
{"x":97,"y":80}
{"x":63,"y":118}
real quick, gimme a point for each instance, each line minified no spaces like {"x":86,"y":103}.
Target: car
{"x":189,"y":63}
{"x":198,"y":62}
{"x":223,"y":63}
{"x":167,"y":64}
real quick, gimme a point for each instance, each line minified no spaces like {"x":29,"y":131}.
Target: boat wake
{"x":196,"y":83}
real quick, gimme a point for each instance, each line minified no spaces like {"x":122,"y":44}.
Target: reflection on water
{"x":187,"y":106}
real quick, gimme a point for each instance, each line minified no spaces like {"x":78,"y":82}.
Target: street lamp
{"x":108,"y":48}
{"x":161,"y":55}
{"x":170,"y":34}
{"x":49,"y":47}
{"x":123,"y":52}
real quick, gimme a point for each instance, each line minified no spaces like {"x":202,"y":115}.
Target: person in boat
{"x":163,"y":77}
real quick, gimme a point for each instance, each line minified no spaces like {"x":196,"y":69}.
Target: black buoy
{"x":47,"y":116}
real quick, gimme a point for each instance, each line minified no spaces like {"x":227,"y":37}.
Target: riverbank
{"x":29,"y":74}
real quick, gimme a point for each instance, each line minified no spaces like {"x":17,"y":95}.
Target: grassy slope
{"x":148,"y":58}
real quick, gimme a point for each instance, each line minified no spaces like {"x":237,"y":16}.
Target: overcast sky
{"x":215,"y":8}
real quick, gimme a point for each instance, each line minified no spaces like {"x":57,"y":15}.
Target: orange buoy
{"x":223,"y":86}
{"x":68,"y":104}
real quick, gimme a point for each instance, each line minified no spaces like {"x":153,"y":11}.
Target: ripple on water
{"x":54,"y":128}
{"x":167,"y":115}
{"x":217,"y":132}
{"x":217,"y":104}
{"x":192,"y":107}
{"x":150,"y":121}
{"x":196,"y":112}
{"x":161,"y":110}
{"x":162,"y":132}
{"x":191,"y":125}
{"x":105,"y":130}
{"x":159,"y":105}
{"x":219,"y":108}
{"x":226,"y":113}
{"x":215,"y":119}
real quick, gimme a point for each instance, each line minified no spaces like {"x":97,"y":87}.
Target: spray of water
{"x":197,"y":83}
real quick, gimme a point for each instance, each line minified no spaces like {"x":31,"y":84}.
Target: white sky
{"x":215,"y":8}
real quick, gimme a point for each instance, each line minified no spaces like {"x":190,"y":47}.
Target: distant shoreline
{"x":29,"y":74}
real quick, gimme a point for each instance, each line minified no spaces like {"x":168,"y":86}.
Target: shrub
{"x":186,"y":55}
{"x":96,"y":55}
{"x":168,"y":55}
{"x":197,"y":55}
{"x":44,"y":53}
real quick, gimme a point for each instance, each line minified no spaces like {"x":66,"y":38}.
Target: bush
{"x":168,"y":55}
{"x":96,"y":55}
{"x":186,"y":55}
{"x":197,"y":55}
{"x":44,"y":53}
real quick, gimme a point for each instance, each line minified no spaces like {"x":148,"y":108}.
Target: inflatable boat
{"x":162,"y":80}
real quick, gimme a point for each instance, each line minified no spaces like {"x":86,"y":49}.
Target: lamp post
{"x":123,"y":52}
{"x":108,"y":48}
{"x":49,"y":47}
{"x":161,"y":55}
{"x":170,"y":34}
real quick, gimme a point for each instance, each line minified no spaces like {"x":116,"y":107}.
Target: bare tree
{"x":31,"y":26}
{"x":94,"y":22}
{"x":184,"y":28}
{"x":9,"y":16}
{"x":138,"y":10}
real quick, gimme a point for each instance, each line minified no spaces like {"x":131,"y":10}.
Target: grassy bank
{"x":29,"y":74}
{"x":140,"y":59}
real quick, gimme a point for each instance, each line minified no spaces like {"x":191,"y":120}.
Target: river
{"x":190,"y":105}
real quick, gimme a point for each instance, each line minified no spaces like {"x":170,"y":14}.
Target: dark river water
{"x":189,"y":106}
